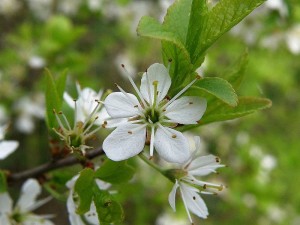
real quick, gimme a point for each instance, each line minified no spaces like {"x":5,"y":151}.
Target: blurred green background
{"x":91,"y":38}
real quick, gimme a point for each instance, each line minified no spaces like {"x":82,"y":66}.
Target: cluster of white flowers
{"x":150,"y":118}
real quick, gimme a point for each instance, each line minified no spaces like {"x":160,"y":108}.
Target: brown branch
{"x":47,"y":167}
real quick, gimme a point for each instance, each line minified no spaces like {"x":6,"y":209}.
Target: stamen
{"x":167,"y":132}
{"x":90,"y":126}
{"x":75,"y":113}
{"x":181,"y":92}
{"x":66,"y":121}
{"x":134,"y":86}
{"x":155,"y":84}
{"x":60,"y":122}
{"x":91,"y":114}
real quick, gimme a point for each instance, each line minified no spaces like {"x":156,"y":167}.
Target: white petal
{"x":69,"y":100}
{"x":186,"y":110}
{"x":119,"y":105}
{"x":172,"y":196}
{"x":92,"y":216}
{"x":156,"y":72}
{"x":171,"y":145}
{"x":30,"y":190}
{"x":7,"y":147}
{"x":193,"y":200}
{"x":102,"y":185}
{"x":125,"y":141}
{"x":204,"y":165}
{"x":6,"y":203}
{"x":4,"y":219}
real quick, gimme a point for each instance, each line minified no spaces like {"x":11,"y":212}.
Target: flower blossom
{"x":87,"y":112}
{"x":6,"y":147}
{"x":22,"y":212}
{"x":91,"y":216}
{"x":191,"y":187}
{"x":150,"y":117}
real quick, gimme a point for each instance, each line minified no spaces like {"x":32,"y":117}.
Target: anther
{"x":129,"y":132}
{"x":136,"y":106}
{"x":217,"y":159}
{"x":191,"y":103}
{"x":198,"y":77}
{"x":204,"y":186}
{"x":174,"y":136}
{"x":194,"y":198}
{"x":170,"y":60}
{"x":123,"y":65}
{"x":60,"y":112}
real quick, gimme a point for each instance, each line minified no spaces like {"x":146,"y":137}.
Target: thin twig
{"x":40,"y":170}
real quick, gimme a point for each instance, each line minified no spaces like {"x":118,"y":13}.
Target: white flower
{"x":21,"y":213}
{"x":190,"y":186}
{"x":293,"y":39}
{"x":150,"y":117}
{"x":91,"y":216}
{"x":86,"y":113}
{"x":6,"y":147}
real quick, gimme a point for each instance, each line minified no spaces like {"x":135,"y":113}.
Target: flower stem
{"x":150,"y":163}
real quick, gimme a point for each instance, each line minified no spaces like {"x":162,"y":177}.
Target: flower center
{"x":152,"y":115}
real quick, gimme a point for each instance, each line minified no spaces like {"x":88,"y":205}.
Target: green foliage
{"x":84,"y":189}
{"x":115,"y":172}
{"x":54,"y":95}
{"x":108,"y":209}
{"x":3,"y":184}
{"x":219,"y":88}
{"x":189,"y":29}
{"x":246,"y":105}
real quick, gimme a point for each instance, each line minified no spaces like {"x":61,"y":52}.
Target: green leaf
{"x":115,"y":172}
{"x":225,"y":15}
{"x":246,"y":105}
{"x":108,"y":209}
{"x":61,"y":84}
{"x":54,"y":95}
{"x":217,"y":87}
{"x":52,"y":99}
{"x":82,"y":188}
{"x":236,"y":74}
{"x":3,"y":184}
{"x":196,"y":25}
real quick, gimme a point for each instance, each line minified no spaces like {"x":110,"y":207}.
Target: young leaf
{"x":246,"y":105}
{"x":108,"y":209}
{"x":83,"y":188}
{"x":115,"y":172}
{"x":218,"y":87}
{"x":236,"y":74}
{"x":54,"y":95}
{"x":3,"y":185}
{"x":225,"y":15}
{"x":52,"y":99}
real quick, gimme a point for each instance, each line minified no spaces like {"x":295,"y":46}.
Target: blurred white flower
{"x":22,"y":212}
{"x":36,"y":62}
{"x":278,"y":5}
{"x":293,"y":39}
{"x":9,"y":7}
{"x":29,"y":108}
{"x":40,"y":8}
{"x":151,"y":118}
{"x":6,"y":147}
{"x":91,"y":216}
{"x":191,"y":187}
{"x":95,"y":5}
{"x":167,"y":219}
{"x":69,"y":7}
